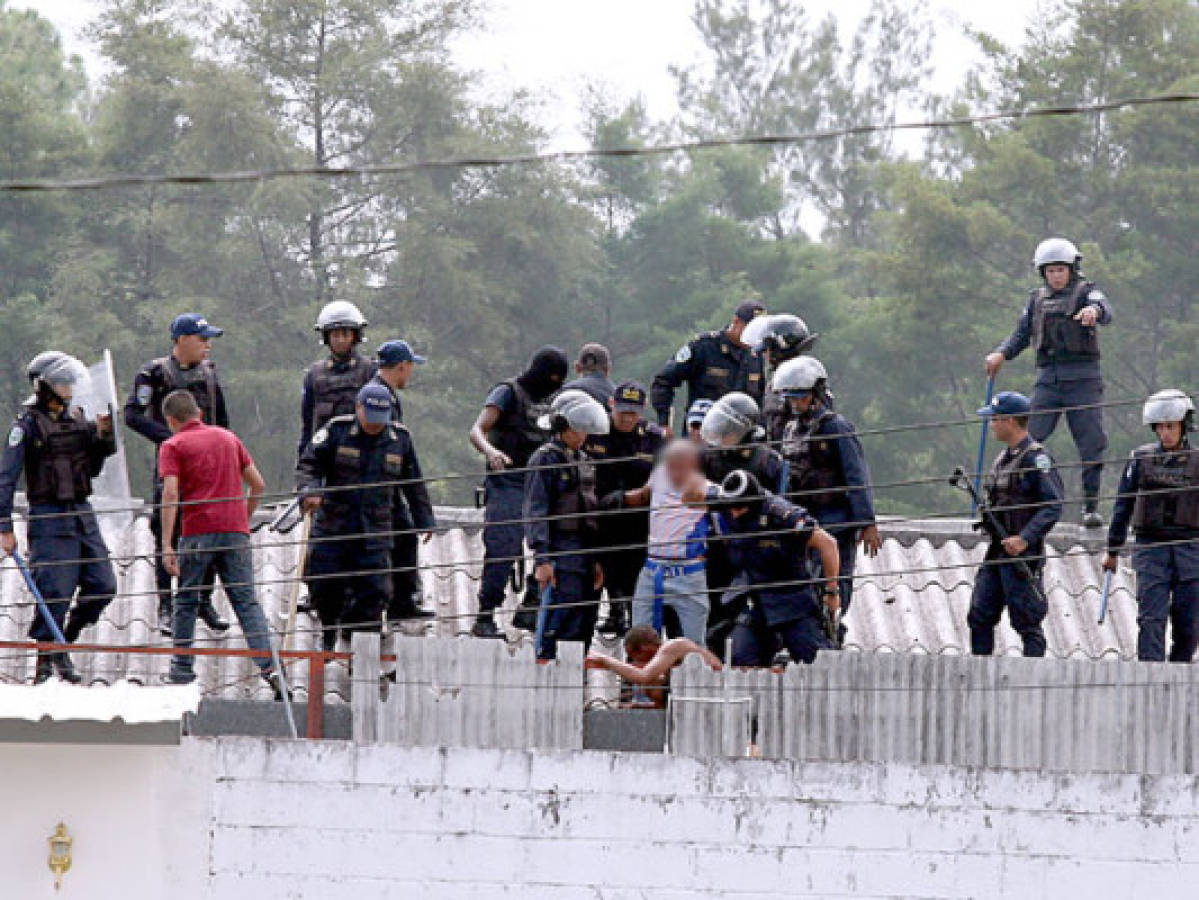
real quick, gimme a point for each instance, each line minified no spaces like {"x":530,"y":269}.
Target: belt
{"x":660,"y":572}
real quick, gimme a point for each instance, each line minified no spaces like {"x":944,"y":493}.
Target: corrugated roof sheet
{"x":912,"y":598}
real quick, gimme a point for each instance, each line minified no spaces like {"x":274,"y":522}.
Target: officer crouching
{"x":1023,"y":502}
{"x":60,"y":453}
{"x":559,"y":506}
{"x":348,"y":477}
{"x":1159,"y":496}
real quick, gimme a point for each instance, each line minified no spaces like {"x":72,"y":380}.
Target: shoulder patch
{"x":684,"y":354}
{"x":1096,"y":294}
{"x":1043,"y":462}
{"x":320,"y":437}
{"x":16,"y":436}
{"x":144,"y":393}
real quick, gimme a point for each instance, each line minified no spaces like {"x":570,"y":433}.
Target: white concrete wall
{"x":298,"y":820}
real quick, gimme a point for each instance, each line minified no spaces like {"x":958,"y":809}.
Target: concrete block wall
{"x":331,"y":820}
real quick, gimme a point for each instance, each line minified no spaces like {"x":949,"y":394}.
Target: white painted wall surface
{"x":277,"y":820}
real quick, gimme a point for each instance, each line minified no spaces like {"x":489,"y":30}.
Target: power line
{"x":489,"y":162}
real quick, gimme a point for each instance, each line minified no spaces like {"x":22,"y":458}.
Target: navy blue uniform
{"x":711,"y":365}
{"x":59,"y":455}
{"x":1159,"y":498}
{"x":331,"y":388}
{"x":768,"y":548}
{"x":830,"y":478}
{"x":1024,"y":492}
{"x":1067,"y":369}
{"x":342,"y":455}
{"x":559,"y":492}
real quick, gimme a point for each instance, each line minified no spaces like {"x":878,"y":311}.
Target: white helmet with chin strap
{"x":1056,"y":250}
{"x":1170,"y":405}
{"x":799,"y":376}
{"x":340,"y":314}
{"x":576,"y":410}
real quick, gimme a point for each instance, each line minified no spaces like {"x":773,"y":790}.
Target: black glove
{"x":614,"y":500}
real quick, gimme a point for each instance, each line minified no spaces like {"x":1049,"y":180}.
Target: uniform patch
{"x":684,"y":354}
{"x":1043,"y":462}
{"x":16,"y":436}
{"x":144,"y":393}
{"x":1096,"y":294}
{"x":320,"y":437}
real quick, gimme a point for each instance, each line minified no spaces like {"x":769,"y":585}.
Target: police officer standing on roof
{"x":332,"y":384}
{"x":734,"y":440}
{"x":397,"y":362}
{"x":779,"y":338}
{"x":625,"y":457}
{"x":345,"y":477}
{"x":1023,"y":495}
{"x":829,"y":476}
{"x":187,"y":367}
{"x":559,"y":496}
{"x":506,"y":432}
{"x":60,"y":453}
{"x":712,"y":364}
{"x":1061,"y":323}
{"x":592,"y":376}
{"x":1159,"y":496}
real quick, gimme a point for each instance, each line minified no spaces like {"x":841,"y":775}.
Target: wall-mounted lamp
{"x":60,"y":853}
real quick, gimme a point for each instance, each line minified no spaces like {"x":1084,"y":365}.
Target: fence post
{"x":316,"y":696}
{"x":364,"y":686}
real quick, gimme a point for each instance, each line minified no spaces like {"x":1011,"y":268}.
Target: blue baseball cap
{"x":629,"y":397}
{"x":391,"y":353}
{"x":376,"y":400}
{"x":194,"y":323}
{"x":1007,"y":403}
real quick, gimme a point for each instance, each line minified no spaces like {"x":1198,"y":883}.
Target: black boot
{"x":66,"y":668}
{"x":164,"y":615}
{"x":617,"y":621}
{"x":277,"y":685}
{"x":207,"y":614}
{"x":44,"y":668}
{"x":485,"y":627}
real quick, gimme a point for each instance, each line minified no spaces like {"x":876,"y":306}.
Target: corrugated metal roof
{"x":921,"y":610}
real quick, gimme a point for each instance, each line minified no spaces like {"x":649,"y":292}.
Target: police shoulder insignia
{"x":684,"y":354}
{"x":1096,"y":294}
{"x":1043,"y":462}
{"x":144,"y":393}
{"x":320,"y":437}
{"x":16,"y":436}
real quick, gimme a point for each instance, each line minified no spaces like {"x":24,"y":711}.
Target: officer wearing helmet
{"x":332,"y":383}
{"x":733,"y":439}
{"x":1023,"y":494}
{"x":189,"y":368}
{"x":1159,"y":497}
{"x":828,"y":472}
{"x":506,"y":433}
{"x":1061,"y":323}
{"x":779,"y":338}
{"x":559,"y":506}
{"x":60,"y":452}
{"x":712,"y":364}
{"x":768,"y":542}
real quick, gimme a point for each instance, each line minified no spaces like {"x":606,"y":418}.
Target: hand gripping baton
{"x":982,"y":450}
{"x":1107,"y":595}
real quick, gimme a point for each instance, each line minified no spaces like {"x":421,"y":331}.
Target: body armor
{"x":1056,"y":336}
{"x":815,"y":460}
{"x":362,"y":460}
{"x":776,"y":413}
{"x":335,"y":386}
{"x":1008,"y":495}
{"x":521,"y":435}
{"x":58,"y":467}
{"x":575,"y":498}
{"x":200,"y":380}
{"x":1169,"y":489}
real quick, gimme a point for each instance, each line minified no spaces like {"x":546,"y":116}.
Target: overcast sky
{"x":557,"y":47}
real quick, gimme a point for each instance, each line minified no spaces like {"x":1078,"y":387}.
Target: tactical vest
{"x":375,"y":504}
{"x":1008,"y":496}
{"x":1056,"y":336}
{"x":575,"y":498}
{"x":815,"y":459}
{"x":776,"y":415}
{"x":520,"y":435}
{"x":57,"y":463}
{"x":200,"y":380}
{"x":334,"y":392}
{"x":1169,"y":489}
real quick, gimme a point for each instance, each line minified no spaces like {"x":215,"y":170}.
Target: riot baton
{"x":543,"y":614}
{"x":991,"y":524}
{"x":982,"y":449}
{"x":42,"y":607}
{"x":1107,"y":595}
{"x":280,"y":524}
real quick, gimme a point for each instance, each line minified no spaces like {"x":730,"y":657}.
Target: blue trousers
{"x":756,"y":642}
{"x":1086,"y":425}
{"x":572,"y":613}
{"x":349,"y":583}
{"x":683,"y":588}
{"x":1167,"y":587}
{"x":67,"y":555}
{"x":1000,"y":585}
{"x":503,"y":536}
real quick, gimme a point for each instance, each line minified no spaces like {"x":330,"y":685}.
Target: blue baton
{"x":982,"y":448}
{"x":543,"y":614}
{"x":1107,"y":595}
{"x":55,"y":631}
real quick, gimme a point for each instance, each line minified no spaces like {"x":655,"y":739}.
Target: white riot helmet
{"x":576,"y":410}
{"x":340,"y":314}
{"x":59,"y":373}
{"x":1171,"y":405}
{"x":1055,"y":250}
{"x":729,"y":420}
{"x":801,"y":375}
{"x":781,"y":334}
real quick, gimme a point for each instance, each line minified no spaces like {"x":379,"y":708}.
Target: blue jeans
{"x":202,"y":557}
{"x":686,"y":594}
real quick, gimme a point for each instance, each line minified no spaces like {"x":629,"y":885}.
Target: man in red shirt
{"x":205,"y":471}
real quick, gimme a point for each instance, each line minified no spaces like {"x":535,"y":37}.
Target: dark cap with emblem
{"x":194,"y":323}
{"x":748,"y":310}
{"x":1007,"y":403}
{"x":376,"y":402}
{"x":392,"y":353}
{"x":629,"y":397}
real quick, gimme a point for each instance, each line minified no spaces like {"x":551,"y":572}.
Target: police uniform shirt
{"x":711,"y":365}
{"x":768,"y":546}
{"x":554,"y":470}
{"x":143,"y":409}
{"x":308,"y":398}
{"x":1130,"y":487}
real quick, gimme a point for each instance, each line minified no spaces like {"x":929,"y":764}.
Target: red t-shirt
{"x":208,"y":461}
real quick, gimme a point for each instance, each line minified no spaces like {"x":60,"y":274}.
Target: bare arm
{"x":830,"y":559}
{"x":487,"y":419}
{"x":253,"y":479}
{"x":170,"y":519}
{"x":655,"y":672}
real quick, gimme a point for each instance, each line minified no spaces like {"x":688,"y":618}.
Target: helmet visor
{"x":724,"y":427}
{"x":67,"y":377}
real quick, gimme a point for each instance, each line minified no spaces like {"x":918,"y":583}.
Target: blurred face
{"x":1057,"y":275}
{"x":625,"y":421}
{"x":681,"y":460}
{"x":1170,"y":434}
{"x":341,"y":340}
{"x":191,"y":349}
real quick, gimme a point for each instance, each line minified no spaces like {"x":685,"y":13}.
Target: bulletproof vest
{"x":1169,"y":489}
{"x":776,"y":414}
{"x":1008,"y":494}
{"x":518,"y":433}
{"x":368,"y":463}
{"x":335,"y":386}
{"x":1056,"y":336}
{"x":575,"y":497}
{"x":815,"y":460}
{"x":57,"y":462}
{"x":200,"y":380}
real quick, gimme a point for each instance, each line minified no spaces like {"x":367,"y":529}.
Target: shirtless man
{"x":650,"y":662}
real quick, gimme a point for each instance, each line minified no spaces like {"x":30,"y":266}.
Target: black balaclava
{"x":545,"y":373}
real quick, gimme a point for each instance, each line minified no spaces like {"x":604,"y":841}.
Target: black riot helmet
{"x":741,"y":488}
{"x":781,"y":336}
{"x":545,"y":373}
